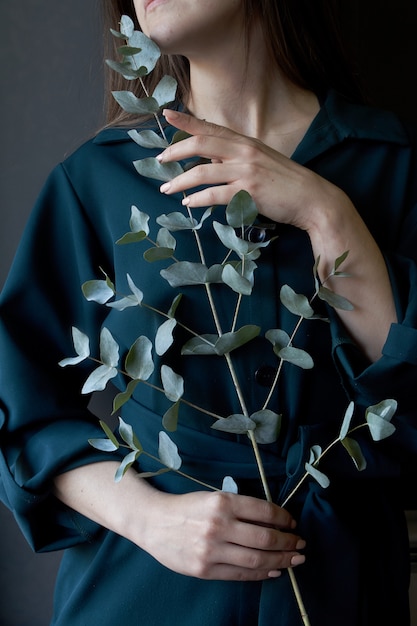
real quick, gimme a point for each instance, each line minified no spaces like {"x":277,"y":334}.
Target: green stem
{"x":264,"y":480}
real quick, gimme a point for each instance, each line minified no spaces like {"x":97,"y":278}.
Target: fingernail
{"x":298,"y":559}
{"x":174,"y":115}
{"x":185,"y":201}
{"x":165,"y":187}
{"x":159,"y":157}
{"x":300,"y":544}
{"x":275,"y":573}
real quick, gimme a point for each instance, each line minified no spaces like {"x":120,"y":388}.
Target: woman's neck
{"x":245,"y":93}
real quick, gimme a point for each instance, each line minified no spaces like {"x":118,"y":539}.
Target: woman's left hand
{"x":282,"y":190}
{"x":289,"y":193}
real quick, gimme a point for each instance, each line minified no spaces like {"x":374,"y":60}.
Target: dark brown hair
{"x":303,"y":37}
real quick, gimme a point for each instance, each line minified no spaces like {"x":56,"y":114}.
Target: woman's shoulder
{"x":109,"y":149}
{"x":368,"y":121}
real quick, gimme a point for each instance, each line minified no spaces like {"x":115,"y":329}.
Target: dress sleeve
{"x":394,"y":375}
{"x":44,"y":420}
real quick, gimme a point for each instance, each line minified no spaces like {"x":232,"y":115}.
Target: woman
{"x":267,"y":99}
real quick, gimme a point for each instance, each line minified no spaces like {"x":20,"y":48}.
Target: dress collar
{"x":339,"y":119}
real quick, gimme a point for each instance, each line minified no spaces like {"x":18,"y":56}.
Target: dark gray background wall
{"x":51,"y":82}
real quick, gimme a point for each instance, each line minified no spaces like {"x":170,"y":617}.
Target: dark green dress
{"x":357,"y":568}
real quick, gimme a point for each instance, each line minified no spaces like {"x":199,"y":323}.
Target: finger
{"x":231,"y":572}
{"x":252,"y":509}
{"x":264,"y":538}
{"x":194,"y":126}
{"x":257,"y":560}
{"x":207,"y":174}
{"x":203,"y":146}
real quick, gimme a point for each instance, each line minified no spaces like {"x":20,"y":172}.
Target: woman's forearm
{"x":368,"y":286}
{"x":92,"y":491}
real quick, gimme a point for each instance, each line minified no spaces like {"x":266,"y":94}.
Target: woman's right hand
{"x":211,"y":535}
{"x":220,"y":536}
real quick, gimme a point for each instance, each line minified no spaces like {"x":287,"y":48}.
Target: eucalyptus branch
{"x":155,"y":115}
{"x":317,"y":461}
{"x":261,"y":427}
{"x":333,"y":300}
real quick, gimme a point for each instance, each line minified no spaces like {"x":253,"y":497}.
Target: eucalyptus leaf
{"x":135,"y":290}
{"x":139,"y":364}
{"x":148,"y":139}
{"x":174,"y":305}
{"x":268,"y":425}
{"x":214,"y":273}
{"x":205,"y":215}
{"x":149,"y":54}
{"x":296,"y":303}
{"x":321,"y":478}
{"x":152,"y":168}
{"x":164,"y":239}
{"x":116,"y":33}
{"x":108,"y":431}
{"x":104,"y":445}
{"x":123,"y":303}
{"x":346,"y":420}
{"x":127,"y":26}
{"x":131,"y":238}
{"x":82,"y":348}
{"x":334,"y":300}
{"x":121,"y":398}
{"x":170,"y":418}
{"x":236,"y":281}
{"x":165,"y":90}
{"x":139,"y":220}
{"x":176,"y":221}
{"x":158,"y":254}
{"x":132,"y":104}
{"x":385,"y":409}
{"x":130,"y":51}
{"x":229,"y":485}
{"x":279,"y":339}
{"x":315,"y":273}
{"x":241,"y":210}
{"x":180,"y":135}
{"x":201,"y":345}
{"x":297,"y":357}
{"x":172,"y":383}
{"x":125,"y":465}
{"x":237,"y":424}
{"x":340,"y":260}
{"x":230,"y":240}
{"x":379,"y":427}
{"x":128,"y":436}
{"x":164,"y":337}
{"x":139,"y":228}
{"x":133,"y":300}
{"x":230,"y":341}
{"x":185,"y":273}
{"x":124,"y":68}
{"x":315,"y":454}
{"x":109,"y":348}
{"x":97,"y":291}
{"x":246,"y":268}
{"x":168,"y":452}
{"x":98,"y":379}
{"x":355,"y":452}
